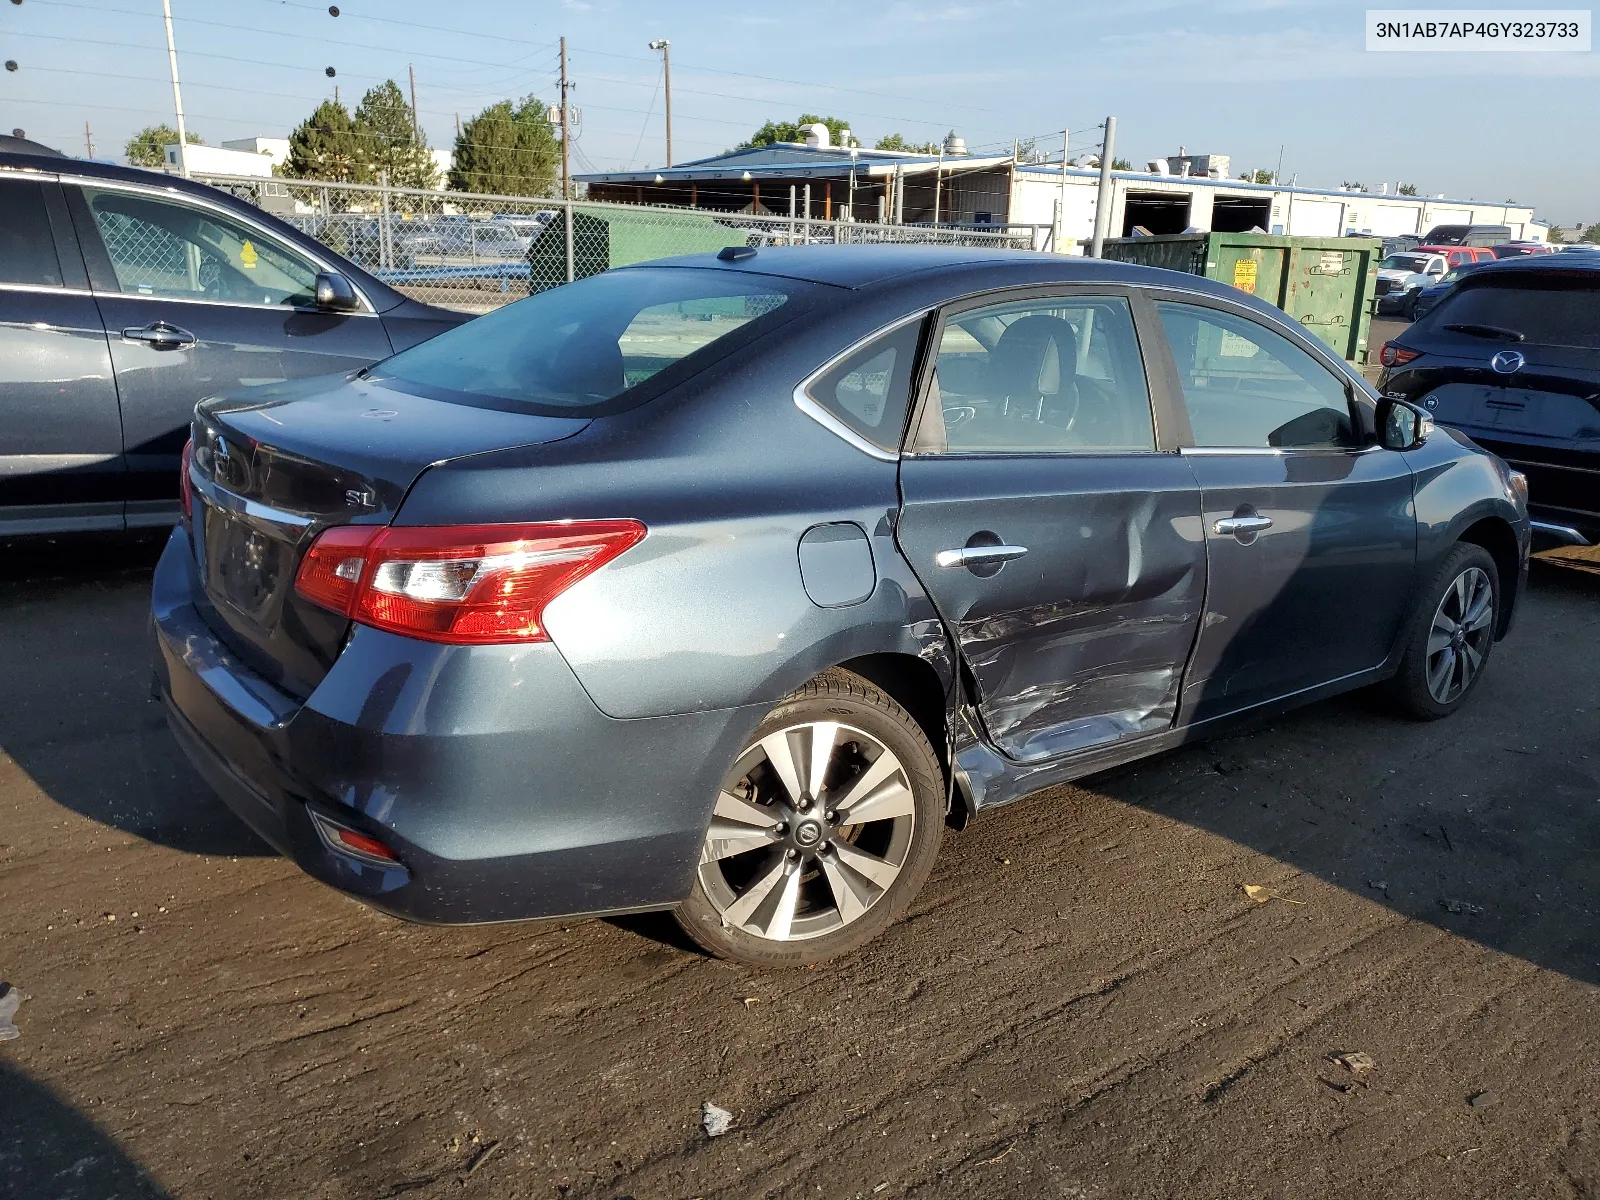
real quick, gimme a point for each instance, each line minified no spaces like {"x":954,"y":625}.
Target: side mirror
{"x":1402,"y":425}
{"x":335,"y":294}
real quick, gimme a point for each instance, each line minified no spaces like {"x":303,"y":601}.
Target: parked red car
{"x":1456,"y":255}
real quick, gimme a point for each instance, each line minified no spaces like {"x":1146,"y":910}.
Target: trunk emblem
{"x":1507,"y":362}
{"x":357,"y":498}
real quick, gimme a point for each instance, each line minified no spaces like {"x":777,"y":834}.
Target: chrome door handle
{"x":160,"y":336}
{"x":1238,"y":525}
{"x":972,"y":556}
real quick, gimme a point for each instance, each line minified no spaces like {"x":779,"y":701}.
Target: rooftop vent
{"x":816,"y":134}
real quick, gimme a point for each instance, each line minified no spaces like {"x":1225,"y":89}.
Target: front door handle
{"x":1242,"y":526}
{"x":160,"y":336}
{"x":977,"y":556}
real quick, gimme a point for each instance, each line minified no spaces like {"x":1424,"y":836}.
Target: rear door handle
{"x":160,"y":336}
{"x":1239,"y":525}
{"x":972,"y":556}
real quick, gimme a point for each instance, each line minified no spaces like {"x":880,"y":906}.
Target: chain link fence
{"x":474,"y":252}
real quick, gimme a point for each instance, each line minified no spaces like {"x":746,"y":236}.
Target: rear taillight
{"x":1396,"y":356}
{"x":462,"y":584}
{"x":185,"y":485}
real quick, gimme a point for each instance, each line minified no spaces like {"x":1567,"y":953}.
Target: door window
{"x":868,"y":389}
{"x":1247,"y":387}
{"x":27,"y":249}
{"x":158,"y":248}
{"x":1044,"y":376}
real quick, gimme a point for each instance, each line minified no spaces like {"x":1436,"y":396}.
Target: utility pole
{"x":88,"y":139}
{"x":1276,"y":175}
{"x":177,"y":95}
{"x":1061,"y":203}
{"x":566,"y":129}
{"x":413,"y":72}
{"x":1102,"y":199}
{"x":665,"y":47}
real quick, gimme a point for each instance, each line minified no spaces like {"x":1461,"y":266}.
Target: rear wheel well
{"x":913,"y":684}
{"x":1498,"y":538}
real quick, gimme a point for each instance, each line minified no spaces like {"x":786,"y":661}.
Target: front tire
{"x":825,"y":828}
{"x":1449,"y":635}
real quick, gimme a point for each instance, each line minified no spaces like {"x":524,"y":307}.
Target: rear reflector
{"x":460,"y":584}
{"x":1396,"y":356}
{"x":348,"y":841}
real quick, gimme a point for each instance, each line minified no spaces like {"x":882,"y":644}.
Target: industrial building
{"x":1184,"y":192}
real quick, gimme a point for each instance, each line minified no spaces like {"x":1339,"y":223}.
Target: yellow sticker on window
{"x":248,"y":256}
{"x":1244,"y":275}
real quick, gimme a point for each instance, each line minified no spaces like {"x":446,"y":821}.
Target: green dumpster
{"x":1324,"y":283}
{"x":615,"y":237}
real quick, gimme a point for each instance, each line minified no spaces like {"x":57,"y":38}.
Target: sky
{"x":1247,"y":78}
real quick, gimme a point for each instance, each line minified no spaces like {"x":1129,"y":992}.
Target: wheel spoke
{"x":850,"y":902}
{"x":823,"y":736}
{"x":1461,"y":585}
{"x":1442,"y":622}
{"x":1439,"y":674}
{"x":1482,"y":609}
{"x":1438,"y":640}
{"x":727,"y":838}
{"x":732,"y":808}
{"x":879,"y":871}
{"x":743,"y":910}
{"x":893,"y":799}
{"x":880,"y":770}
{"x":779,"y":749}
{"x":1471,"y":660}
{"x":781,"y":922}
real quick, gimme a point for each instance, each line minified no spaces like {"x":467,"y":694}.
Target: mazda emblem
{"x":1507,"y":362}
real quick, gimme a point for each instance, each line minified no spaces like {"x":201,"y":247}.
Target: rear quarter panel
{"x":709,"y":611}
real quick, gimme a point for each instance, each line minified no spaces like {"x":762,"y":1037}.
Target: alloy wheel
{"x":811,"y":828}
{"x":1459,"y":637}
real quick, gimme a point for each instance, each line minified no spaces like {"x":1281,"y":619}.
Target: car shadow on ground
{"x":1486,"y":824}
{"x":78,"y":719}
{"x":49,"y":1149}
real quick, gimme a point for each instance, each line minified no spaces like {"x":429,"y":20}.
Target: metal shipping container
{"x":1324,"y":283}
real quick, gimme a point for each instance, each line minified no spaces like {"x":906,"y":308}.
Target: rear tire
{"x":786,"y":877}
{"x":1449,"y":635}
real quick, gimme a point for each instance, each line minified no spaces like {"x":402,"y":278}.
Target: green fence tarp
{"x":607,"y":237}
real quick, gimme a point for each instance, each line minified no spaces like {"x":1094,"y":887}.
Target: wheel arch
{"x":1499,"y":540}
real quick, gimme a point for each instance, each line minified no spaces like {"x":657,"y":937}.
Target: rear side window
{"x":1556,"y":312}
{"x":869,"y":388}
{"x":27,"y":249}
{"x":600,"y":344}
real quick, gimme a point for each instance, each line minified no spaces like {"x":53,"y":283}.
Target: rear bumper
{"x":503,"y":791}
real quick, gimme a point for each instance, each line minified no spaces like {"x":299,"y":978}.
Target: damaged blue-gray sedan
{"x":727,"y":584}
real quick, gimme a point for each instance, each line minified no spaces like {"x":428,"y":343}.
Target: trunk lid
{"x":275,"y":466}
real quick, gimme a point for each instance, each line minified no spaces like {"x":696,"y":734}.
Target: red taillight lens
{"x":462,"y":584}
{"x":1396,"y":356}
{"x":185,"y":487}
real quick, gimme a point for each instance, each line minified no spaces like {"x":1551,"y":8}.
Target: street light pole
{"x":665,"y":47}
{"x":1102,"y":200}
{"x":177,"y":95}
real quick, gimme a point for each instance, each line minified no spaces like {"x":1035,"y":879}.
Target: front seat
{"x":1032,"y":370}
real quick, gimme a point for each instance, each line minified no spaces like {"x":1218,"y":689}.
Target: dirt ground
{"x":1083,"y":1003}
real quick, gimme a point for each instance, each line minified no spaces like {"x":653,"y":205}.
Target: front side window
{"x":27,"y":249}
{"x":1043,"y":376}
{"x":580,"y":346}
{"x":1247,"y":387}
{"x":868,"y":389}
{"x":158,"y":248}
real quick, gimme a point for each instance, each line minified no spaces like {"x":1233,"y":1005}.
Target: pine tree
{"x":391,"y":143}
{"x":326,"y":146}
{"x":508,"y":150}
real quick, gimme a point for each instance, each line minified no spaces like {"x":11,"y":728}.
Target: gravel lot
{"x":1083,"y":1002}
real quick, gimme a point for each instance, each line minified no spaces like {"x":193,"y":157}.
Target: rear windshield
{"x":598,"y":345}
{"x":1553,"y":312}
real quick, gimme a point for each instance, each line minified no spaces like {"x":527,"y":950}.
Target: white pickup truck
{"x":1401,"y":278}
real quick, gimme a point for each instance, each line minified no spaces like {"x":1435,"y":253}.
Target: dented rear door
{"x":1081,"y":639}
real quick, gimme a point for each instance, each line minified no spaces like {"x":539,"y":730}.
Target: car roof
{"x":859,"y":267}
{"x":1550,"y":266}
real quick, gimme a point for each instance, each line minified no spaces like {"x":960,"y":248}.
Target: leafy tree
{"x":1555,"y":234}
{"x":327,"y":145}
{"x":1353,"y":187}
{"x":790,"y":131}
{"x":895,"y":141}
{"x":148,"y":147}
{"x":1407,"y":189}
{"x":1259,"y":175}
{"x":1591,"y":235}
{"x":507,"y":149}
{"x":1120,"y":164}
{"x":390,"y":141}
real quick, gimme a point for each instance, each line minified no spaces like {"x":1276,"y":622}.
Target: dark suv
{"x":125,"y":297}
{"x":1511,"y":357}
